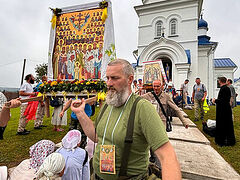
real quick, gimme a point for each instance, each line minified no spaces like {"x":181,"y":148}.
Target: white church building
{"x":175,"y":32}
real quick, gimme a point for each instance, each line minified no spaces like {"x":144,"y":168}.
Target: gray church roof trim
{"x":224,"y":63}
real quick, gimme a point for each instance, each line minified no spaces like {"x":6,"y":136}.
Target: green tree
{"x":40,"y":71}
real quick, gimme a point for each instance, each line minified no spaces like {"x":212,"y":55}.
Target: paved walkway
{"x":198,"y":160}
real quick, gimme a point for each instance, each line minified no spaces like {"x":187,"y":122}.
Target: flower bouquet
{"x":73,"y":88}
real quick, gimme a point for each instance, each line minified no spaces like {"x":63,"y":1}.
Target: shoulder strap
{"x":161,"y":106}
{"x":100,"y":115}
{"x":168,"y":122}
{"x":97,"y":121}
{"x":86,"y":158}
{"x":128,"y":139}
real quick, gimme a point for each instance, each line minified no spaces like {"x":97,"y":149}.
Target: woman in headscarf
{"x":76,"y":158}
{"x":52,"y":167}
{"x":27,"y":169}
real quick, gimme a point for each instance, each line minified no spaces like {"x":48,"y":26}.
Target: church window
{"x":158,"y":29}
{"x":173,"y":27}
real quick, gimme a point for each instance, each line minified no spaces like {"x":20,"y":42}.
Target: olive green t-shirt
{"x":149,"y":131}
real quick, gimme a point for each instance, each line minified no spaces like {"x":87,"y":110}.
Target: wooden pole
{"x":24,"y":63}
{"x":47,"y":108}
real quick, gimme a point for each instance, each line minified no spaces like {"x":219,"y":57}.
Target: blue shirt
{"x":36,"y":88}
{"x":88,"y":111}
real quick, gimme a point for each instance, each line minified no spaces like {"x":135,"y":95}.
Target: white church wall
{"x":203,"y":66}
{"x":211,"y":72}
{"x":186,"y":14}
{"x":187,"y":19}
{"x":222,"y":72}
{"x":202,"y":32}
{"x":237,"y":89}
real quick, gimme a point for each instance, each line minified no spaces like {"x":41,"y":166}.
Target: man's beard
{"x":31,"y":81}
{"x":117,"y":98}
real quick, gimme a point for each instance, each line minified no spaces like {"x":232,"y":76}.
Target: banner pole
{"x":24,"y":63}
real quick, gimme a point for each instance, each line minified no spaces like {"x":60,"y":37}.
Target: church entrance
{"x":167,"y":65}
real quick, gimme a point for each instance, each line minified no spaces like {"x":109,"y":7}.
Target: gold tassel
{"x":44,"y":94}
{"x":64,"y":96}
{"x":54,"y":21}
{"x":101,"y":96}
{"x":104,"y":15}
{"x":76,"y":95}
{"x":53,"y":94}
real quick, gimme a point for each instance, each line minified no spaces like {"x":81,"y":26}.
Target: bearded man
{"x":26,"y":90}
{"x":111,"y":129}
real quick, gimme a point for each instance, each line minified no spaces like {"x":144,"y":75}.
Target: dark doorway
{"x":167,"y":65}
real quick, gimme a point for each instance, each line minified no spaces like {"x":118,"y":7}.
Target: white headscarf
{"x":71,"y":140}
{"x":51,"y":166}
{"x":3,"y":172}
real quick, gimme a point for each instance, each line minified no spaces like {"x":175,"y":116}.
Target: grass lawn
{"x":15,"y":148}
{"x":230,"y":154}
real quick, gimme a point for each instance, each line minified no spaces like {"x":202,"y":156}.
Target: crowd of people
{"x":49,"y":162}
{"x":129,"y":109}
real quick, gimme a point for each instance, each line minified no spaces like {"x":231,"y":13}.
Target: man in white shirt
{"x":26,"y":90}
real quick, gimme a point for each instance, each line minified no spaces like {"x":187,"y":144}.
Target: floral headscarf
{"x":71,"y":140}
{"x":39,"y":152}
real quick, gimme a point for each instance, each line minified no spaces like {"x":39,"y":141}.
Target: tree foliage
{"x":40,"y":70}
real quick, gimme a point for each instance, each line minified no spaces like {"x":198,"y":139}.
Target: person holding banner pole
{"x":110,"y":129}
{"x":26,"y":90}
{"x":5,"y":112}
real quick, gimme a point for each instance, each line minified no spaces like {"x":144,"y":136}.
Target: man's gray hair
{"x":127,"y":67}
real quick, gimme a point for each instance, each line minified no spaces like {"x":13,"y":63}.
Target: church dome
{"x":202,"y":23}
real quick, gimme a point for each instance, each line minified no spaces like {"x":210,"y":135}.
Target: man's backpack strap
{"x":128,"y":140}
{"x":100,"y":115}
{"x":203,"y":86}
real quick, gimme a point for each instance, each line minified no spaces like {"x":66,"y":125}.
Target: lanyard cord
{"x":116,"y":122}
{"x":106,"y":126}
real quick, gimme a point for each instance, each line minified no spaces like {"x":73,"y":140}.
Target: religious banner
{"x":81,"y":41}
{"x":152,"y":71}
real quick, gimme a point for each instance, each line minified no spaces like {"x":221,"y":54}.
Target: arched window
{"x":173,"y":27}
{"x":158,"y":29}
